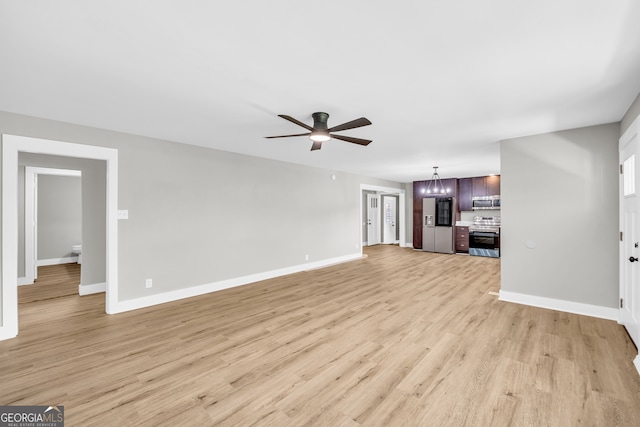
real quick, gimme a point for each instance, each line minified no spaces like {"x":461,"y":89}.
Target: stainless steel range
{"x":484,"y":236}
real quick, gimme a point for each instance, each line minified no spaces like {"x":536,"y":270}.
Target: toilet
{"x":76,"y":250}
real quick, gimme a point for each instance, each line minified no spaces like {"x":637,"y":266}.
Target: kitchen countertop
{"x":464,"y":223}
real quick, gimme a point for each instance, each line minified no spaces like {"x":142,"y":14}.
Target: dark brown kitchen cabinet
{"x":418,"y":186}
{"x":492,"y":184}
{"x":479,"y":186}
{"x":462,"y":239}
{"x":465,"y":192}
{"x":476,"y":186}
{"x":486,"y":185}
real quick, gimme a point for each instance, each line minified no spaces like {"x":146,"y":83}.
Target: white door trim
{"x":631,"y":133}
{"x":31,"y":215}
{"x":11,"y":146}
{"x":401,"y":207}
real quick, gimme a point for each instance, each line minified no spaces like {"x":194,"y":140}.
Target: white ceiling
{"x":442,"y":81}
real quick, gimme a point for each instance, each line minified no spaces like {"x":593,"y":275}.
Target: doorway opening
{"x":382,"y":210}
{"x":54,"y":196}
{"x":102,"y":209}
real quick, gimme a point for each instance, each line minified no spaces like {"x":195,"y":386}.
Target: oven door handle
{"x":483,"y":233}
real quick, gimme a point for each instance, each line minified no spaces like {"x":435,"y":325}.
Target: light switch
{"x":123,"y":214}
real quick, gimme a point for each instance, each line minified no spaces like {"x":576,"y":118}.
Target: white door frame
{"x":629,"y":291}
{"x":11,"y":146}
{"x":401,"y":207}
{"x":31,"y":217}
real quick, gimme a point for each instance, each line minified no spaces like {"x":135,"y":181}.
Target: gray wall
{"x":198,"y":215}
{"x":21,"y":222}
{"x":59,"y":215}
{"x":561,"y":190}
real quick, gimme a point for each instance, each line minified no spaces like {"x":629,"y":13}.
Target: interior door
{"x":630,"y":239}
{"x":389,"y":227}
{"x":373,"y":219}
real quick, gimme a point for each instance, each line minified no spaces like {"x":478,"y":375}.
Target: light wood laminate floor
{"x":399,"y":338}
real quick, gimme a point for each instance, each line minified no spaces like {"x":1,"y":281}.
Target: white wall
{"x":198,"y":216}
{"x":560,"y":192}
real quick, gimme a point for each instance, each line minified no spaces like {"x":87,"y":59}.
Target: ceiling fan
{"x":320,"y":132}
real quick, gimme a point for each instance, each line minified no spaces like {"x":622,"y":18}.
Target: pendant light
{"x":436,"y":182}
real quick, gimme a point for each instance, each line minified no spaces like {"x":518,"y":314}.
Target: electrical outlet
{"x":306,"y":257}
{"x":148,"y":283}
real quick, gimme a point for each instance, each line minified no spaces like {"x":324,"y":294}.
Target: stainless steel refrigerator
{"x":437,"y":226}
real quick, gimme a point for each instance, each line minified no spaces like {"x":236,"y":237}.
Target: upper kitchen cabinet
{"x":486,"y":185}
{"x":474,"y":187}
{"x":493,"y":185}
{"x":465,"y":192}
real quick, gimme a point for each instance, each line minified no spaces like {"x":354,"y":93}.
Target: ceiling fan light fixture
{"x":319,"y":136}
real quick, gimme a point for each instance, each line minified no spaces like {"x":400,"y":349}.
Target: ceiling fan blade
{"x":352,"y":139}
{"x":351,"y":125}
{"x":287,"y":136}
{"x":298,"y":122}
{"x":316,"y":145}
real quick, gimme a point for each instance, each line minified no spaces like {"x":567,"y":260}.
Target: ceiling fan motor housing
{"x":320,"y":121}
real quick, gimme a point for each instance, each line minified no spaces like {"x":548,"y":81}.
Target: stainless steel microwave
{"x":485,"y":202}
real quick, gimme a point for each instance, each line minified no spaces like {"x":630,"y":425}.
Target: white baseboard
{"x":7,"y":332}
{"x":561,"y":305}
{"x":397,"y":242}
{"x":95,"y":288}
{"x":636,"y":363}
{"x":23,"y":281}
{"x":142,"y":302}
{"x":56,"y":261}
